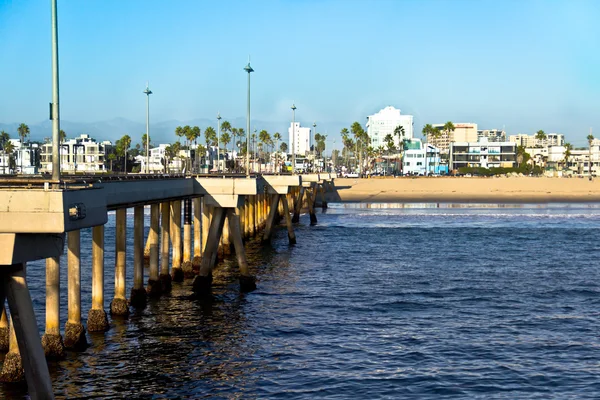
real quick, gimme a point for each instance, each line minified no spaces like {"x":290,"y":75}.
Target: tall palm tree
{"x":123,"y":146}
{"x":428,"y":130}
{"x":23,"y":131}
{"x":277,"y":137}
{"x":399,"y":132}
{"x":8,"y":149}
{"x":389,"y":143}
{"x":567,"y":154}
{"x":540,"y":136}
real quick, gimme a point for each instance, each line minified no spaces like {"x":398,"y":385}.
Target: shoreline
{"x":534,"y":190}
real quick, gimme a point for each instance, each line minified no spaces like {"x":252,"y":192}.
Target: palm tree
{"x":540,"y":136}
{"x":4,"y":137}
{"x":23,"y":131}
{"x":277,"y":137}
{"x":567,"y":154}
{"x":389,"y":142}
{"x":8,"y":149}
{"x":169,"y":154}
{"x":62,"y":136}
{"x":447,"y":129}
{"x":123,"y":145}
{"x":400,"y":132}
{"x":428,"y":130}
{"x":112,"y":157}
{"x":590,"y":139}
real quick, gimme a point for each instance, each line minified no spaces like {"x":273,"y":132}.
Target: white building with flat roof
{"x":384,"y":123}
{"x":483,"y":154}
{"x":299,"y":139}
{"x":81,"y":154}
{"x":552,"y":139}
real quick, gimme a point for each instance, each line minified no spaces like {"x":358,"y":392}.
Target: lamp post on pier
{"x":293,"y":139}
{"x":147,"y":92}
{"x":248,"y":69}
{"x":314,"y":150}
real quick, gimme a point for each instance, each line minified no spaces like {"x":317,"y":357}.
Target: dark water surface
{"x":380,"y":302}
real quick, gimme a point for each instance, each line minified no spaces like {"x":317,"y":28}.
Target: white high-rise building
{"x":300,"y":138}
{"x":384,"y":122}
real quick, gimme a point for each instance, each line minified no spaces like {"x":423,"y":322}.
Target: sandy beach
{"x":468,"y":190}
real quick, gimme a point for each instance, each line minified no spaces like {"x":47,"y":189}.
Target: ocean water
{"x":380,"y":301}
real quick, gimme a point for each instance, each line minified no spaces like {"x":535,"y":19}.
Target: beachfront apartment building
{"x":82,"y":154}
{"x":384,"y":122}
{"x":416,"y":162}
{"x":483,"y":154}
{"x":299,"y":139}
{"x":463,"y":132}
{"x":492,"y":135}
{"x":552,"y":139}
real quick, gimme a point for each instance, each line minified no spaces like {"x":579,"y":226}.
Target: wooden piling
{"x":197,"y":234}
{"x":138,"y":296}
{"x":202,"y":282}
{"x":13,"y":285}
{"x":74,"y":331}
{"x":52,"y":341}
{"x":4,"y":330}
{"x":154,"y":287}
{"x":247,"y":281}
{"x":12,"y":368}
{"x":310,"y":200}
{"x":298,"y":201}
{"x":176,"y":270}
{"x":288,"y":221}
{"x":270,"y":219}
{"x":252,"y":203}
{"x":118,"y":305}
{"x":97,"y":319}
{"x":165,"y":277}
{"x":187,"y":239}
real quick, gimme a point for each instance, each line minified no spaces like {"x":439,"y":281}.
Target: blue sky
{"x":524,"y":65}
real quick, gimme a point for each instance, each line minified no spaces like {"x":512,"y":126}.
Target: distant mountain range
{"x":160,"y":132}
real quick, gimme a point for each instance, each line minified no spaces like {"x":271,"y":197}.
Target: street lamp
{"x":293,"y":138}
{"x":314,"y":151}
{"x":248,"y":69}
{"x":55,"y":101}
{"x":148,"y":92}
{"x":218,"y":141}
{"x":254,"y":151}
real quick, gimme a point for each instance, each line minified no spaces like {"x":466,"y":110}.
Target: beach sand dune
{"x":463,"y":189}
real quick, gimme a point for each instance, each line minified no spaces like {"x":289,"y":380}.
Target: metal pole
{"x":148,"y":93}
{"x":248,"y":69}
{"x":218,"y":142}
{"x":293,"y":138}
{"x":314,"y":151}
{"x":55,"y":100}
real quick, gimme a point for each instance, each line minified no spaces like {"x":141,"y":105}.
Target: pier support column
{"x":176,"y":270}
{"x":270,"y":219}
{"x":311,"y":195}
{"x":187,"y":239}
{"x":298,"y":205}
{"x":252,"y":203}
{"x":12,"y":369}
{"x":138,"y":296}
{"x":165,"y":277}
{"x":288,"y":221}
{"x":74,"y":331}
{"x":203,"y":281}
{"x":242,"y":212}
{"x":97,"y":319}
{"x":247,"y":281}
{"x":52,"y":341}
{"x":246,"y":217}
{"x":13,"y":285}
{"x":119,"y":306}
{"x":147,"y":252}
{"x":154,"y":288}
{"x":206,"y":214}
{"x":323,"y":201}
{"x":226,"y":236}
{"x":4,"y":331}
{"x":197,"y":236}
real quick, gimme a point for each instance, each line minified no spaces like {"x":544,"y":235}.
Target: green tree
{"x":361,"y":141}
{"x":567,"y":154}
{"x":448,"y":128}
{"x":428,"y":131}
{"x":264,"y":139}
{"x":540,"y":136}
{"x":283,"y":147}
{"x":23,"y":131}
{"x":211,"y":136}
{"x":112,"y":157}
{"x":179,"y":132}
{"x":522,"y":156}
{"x":399,"y":132}
{"x":62,"y":136}
{"x":4,"y":138}
{"x":123,"y":146}
{"x":8,"y":149}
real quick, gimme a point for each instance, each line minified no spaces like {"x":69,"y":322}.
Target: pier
{"x":218,"y":213}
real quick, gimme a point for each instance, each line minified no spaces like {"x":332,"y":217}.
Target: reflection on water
{"x":371,"y":303}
